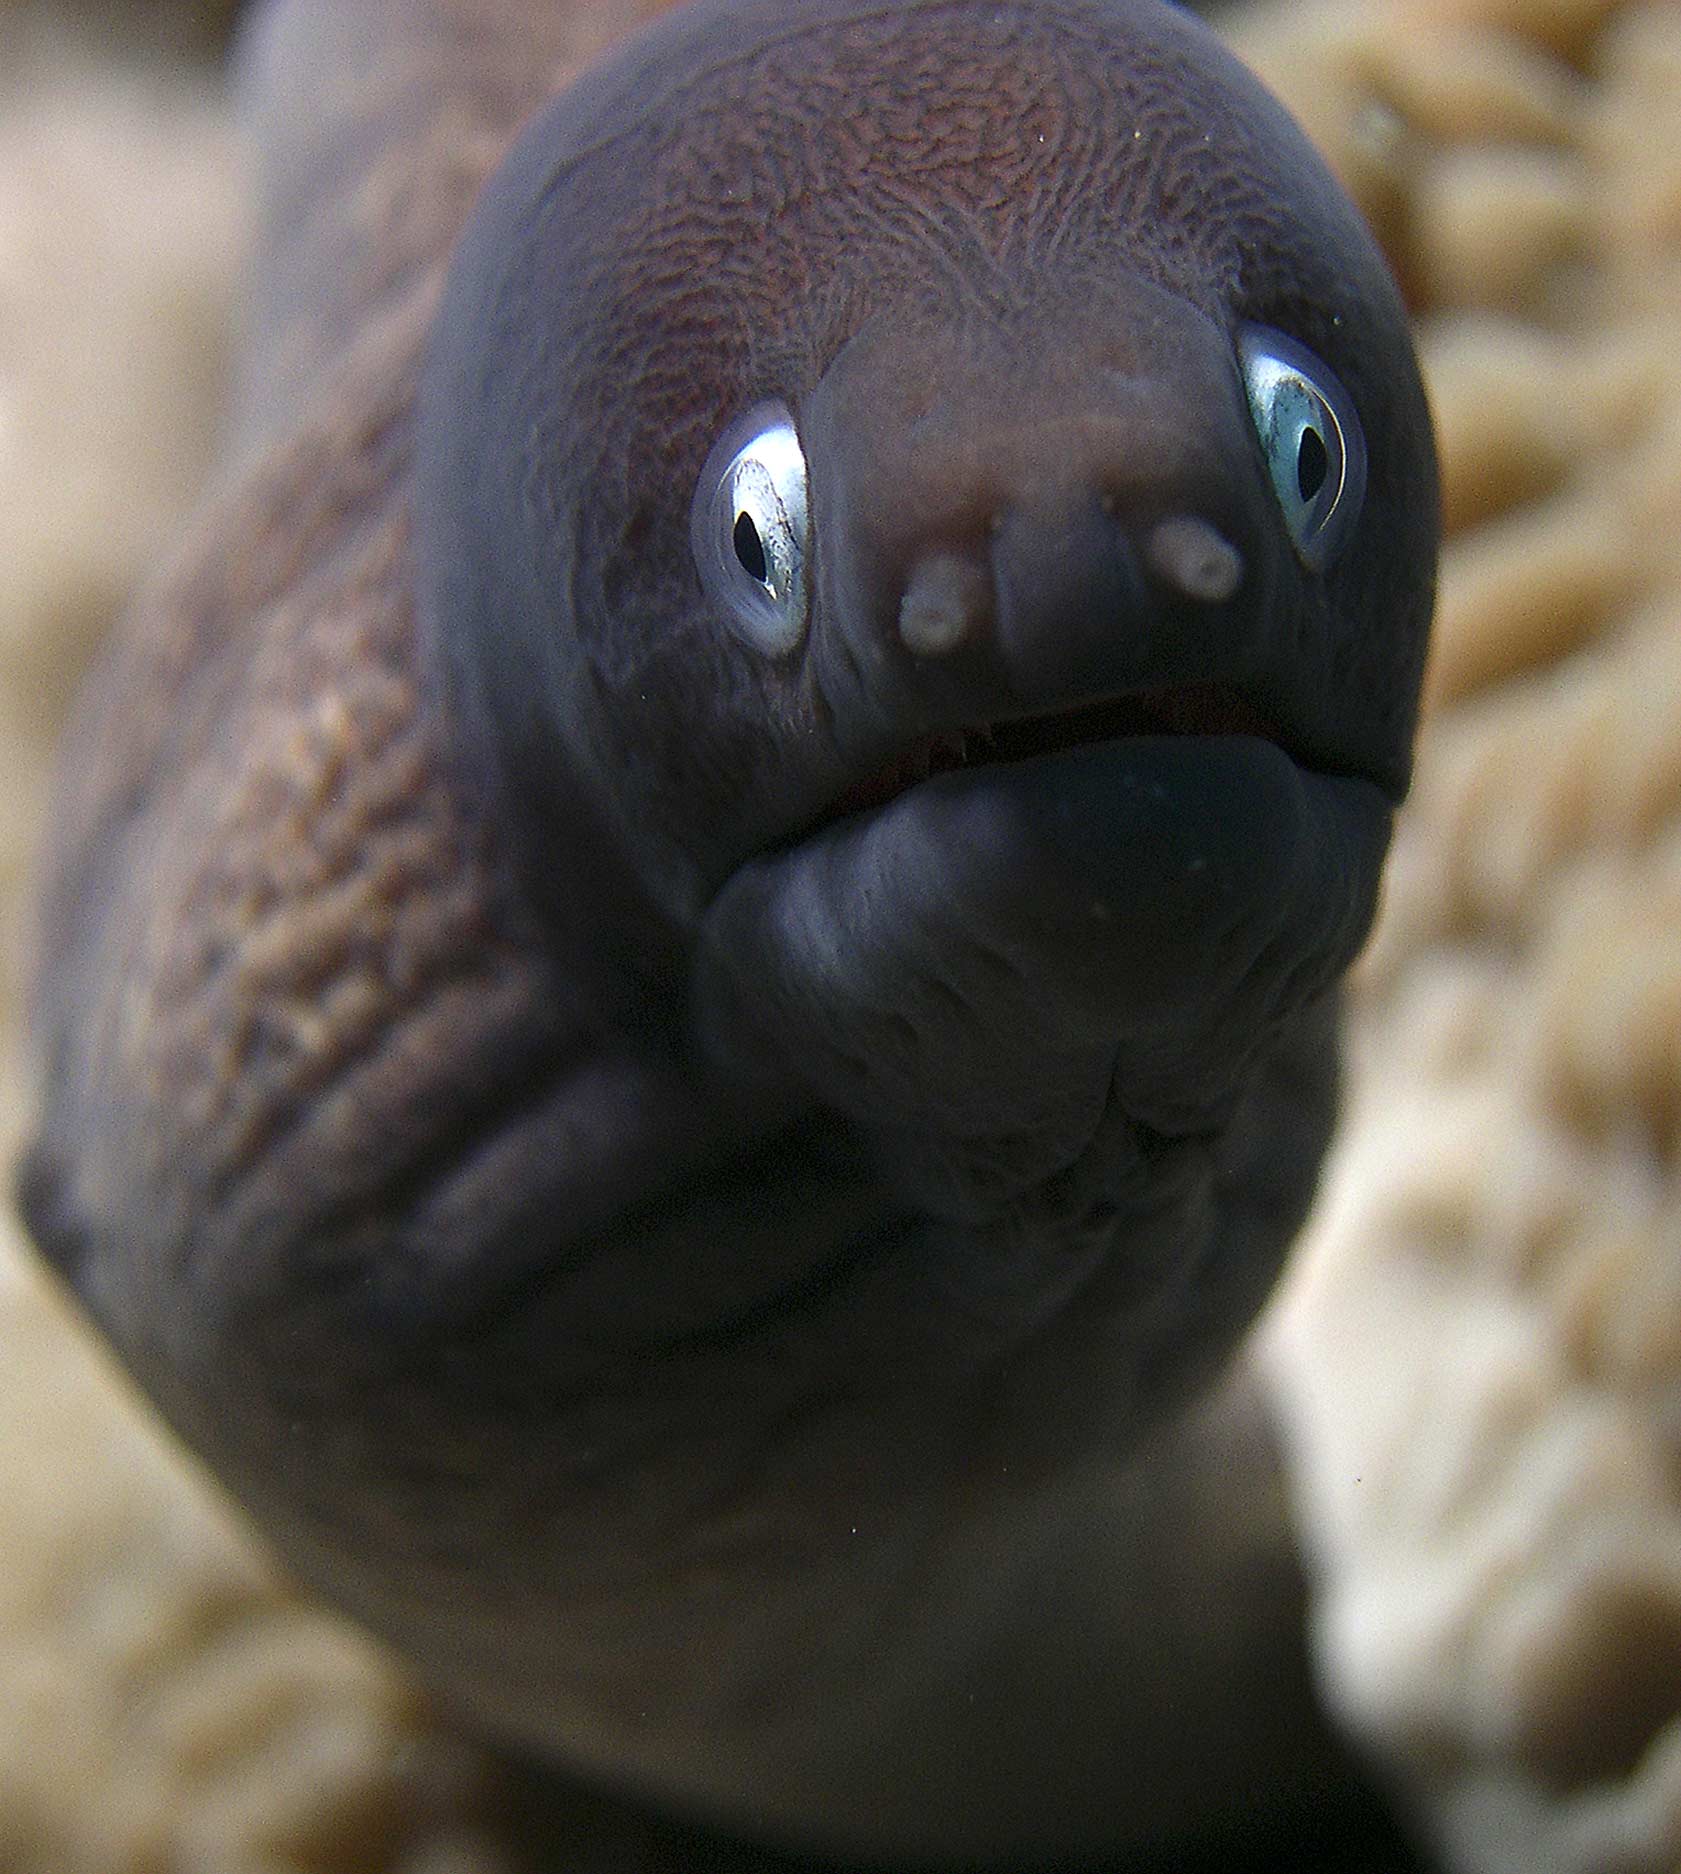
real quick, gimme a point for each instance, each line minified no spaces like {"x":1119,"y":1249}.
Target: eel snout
{"x":948,"y":597}
{"x":1034,"y":540}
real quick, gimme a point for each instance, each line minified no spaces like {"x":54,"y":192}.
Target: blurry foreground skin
{"x":692,"y":958}
{"x":127,"y":29}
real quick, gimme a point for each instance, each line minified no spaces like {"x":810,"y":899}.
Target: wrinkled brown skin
{"x":760,"y":1387}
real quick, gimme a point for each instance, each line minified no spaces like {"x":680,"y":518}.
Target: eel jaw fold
{"x":1175,"y":710}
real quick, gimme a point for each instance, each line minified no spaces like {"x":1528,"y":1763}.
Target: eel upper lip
{"x":1169,"y":709}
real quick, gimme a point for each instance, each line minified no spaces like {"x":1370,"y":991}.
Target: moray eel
{"x":690,"y":957}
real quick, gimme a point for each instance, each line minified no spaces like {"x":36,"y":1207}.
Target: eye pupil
{"x":750,"y":532}
{"x":1311,"y":445}
{"x":1313,"y":464}
{"x":749,"y":548}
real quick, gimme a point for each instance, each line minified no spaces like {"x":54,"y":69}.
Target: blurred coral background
{"x":1477,"y":1354}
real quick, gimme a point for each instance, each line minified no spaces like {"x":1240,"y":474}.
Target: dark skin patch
{"x":690,"y":1190}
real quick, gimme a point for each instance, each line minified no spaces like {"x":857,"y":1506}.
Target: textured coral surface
{"x":1477,"y":1352}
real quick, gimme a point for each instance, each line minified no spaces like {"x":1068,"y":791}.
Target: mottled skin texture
{"x":717,"y":1282}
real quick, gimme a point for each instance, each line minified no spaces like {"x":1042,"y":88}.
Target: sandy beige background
{"x":1478,"y":1353}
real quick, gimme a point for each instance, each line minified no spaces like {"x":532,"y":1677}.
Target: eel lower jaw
{"x":1195,"y":709}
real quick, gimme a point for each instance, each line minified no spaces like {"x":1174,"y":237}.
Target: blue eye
{"x":749,"y":529}
{"x":1311,"y":438}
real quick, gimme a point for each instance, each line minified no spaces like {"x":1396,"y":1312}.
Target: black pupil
{"x":1313,"y":464}
{"x":750,"y":549}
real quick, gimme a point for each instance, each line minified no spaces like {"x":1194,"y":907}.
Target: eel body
{"x":689,"y":966}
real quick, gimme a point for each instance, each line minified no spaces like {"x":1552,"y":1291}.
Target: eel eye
{"x":1311,"y":437}
{"x":749,"y":529}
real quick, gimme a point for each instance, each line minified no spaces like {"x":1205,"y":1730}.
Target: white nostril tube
{"x":945,"y":597}
{"x":1194,"y":558}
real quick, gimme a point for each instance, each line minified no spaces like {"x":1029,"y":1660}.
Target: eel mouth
{"x":1178,"y":709}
